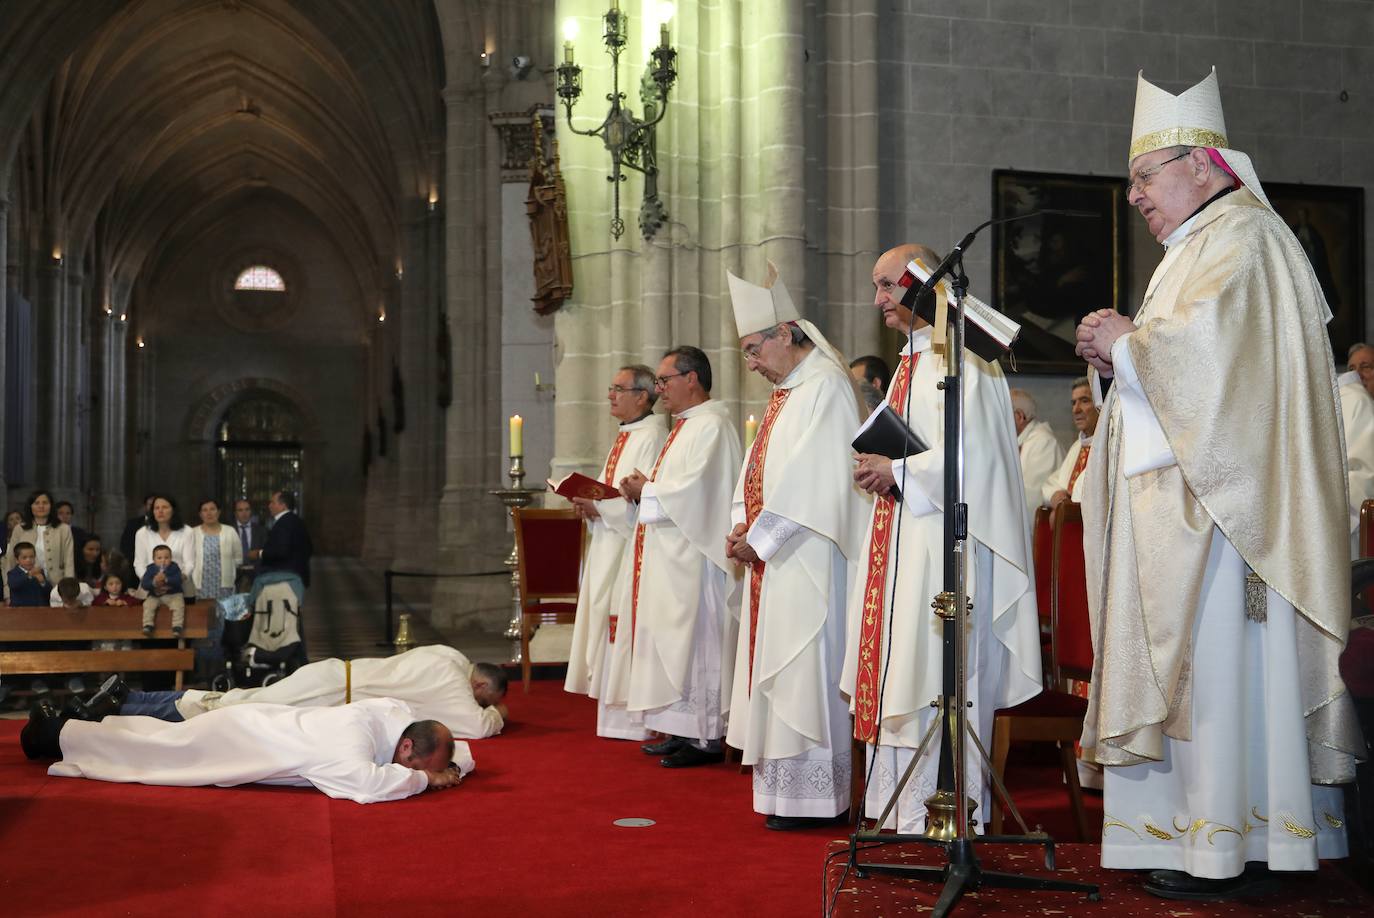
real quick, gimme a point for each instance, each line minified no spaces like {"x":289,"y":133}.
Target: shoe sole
{"x":1259,"y":887}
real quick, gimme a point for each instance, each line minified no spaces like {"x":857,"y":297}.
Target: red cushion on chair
{"x":1049,"y":704}
{"x":1357,"y":663}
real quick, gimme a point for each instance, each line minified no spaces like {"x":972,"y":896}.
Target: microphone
{"x":913,"y":290}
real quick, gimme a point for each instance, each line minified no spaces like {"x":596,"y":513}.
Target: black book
{"x":886,"y":434}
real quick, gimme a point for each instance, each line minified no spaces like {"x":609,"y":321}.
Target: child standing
{"x":26,"y":580}
{"x":162,"y":580}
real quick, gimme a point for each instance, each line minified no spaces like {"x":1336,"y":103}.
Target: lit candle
{"x":567,"y":52}
{"x":751,"y":430}
{"x":517,"y":435}
{"x":663,"y":35}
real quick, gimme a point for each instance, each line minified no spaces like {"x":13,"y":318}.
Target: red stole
{"x":753,"y":505}
{"x":639,"y":538}
{"x":875,"y":584}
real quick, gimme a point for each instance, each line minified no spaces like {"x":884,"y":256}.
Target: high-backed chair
{"x":1056,"y":715}
{"x":549,"y":546}
{"x":1042,"y":535}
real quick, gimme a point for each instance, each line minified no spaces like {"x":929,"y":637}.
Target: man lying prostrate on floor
{"x":368,"y":752}
{"x":438,"y":682}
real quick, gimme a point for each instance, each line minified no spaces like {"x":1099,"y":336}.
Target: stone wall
{"x":970,"y":86}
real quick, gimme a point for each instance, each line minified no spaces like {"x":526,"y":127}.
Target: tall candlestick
{"x":567,"y":52}
{"x":517,"y":435}
{"x":751,"y":430}
{"x":663,"y":35}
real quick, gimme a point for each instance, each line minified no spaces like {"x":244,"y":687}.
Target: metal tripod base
{"x":961,"y":873}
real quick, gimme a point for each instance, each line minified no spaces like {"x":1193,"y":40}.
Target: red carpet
{"x":529,"y":833}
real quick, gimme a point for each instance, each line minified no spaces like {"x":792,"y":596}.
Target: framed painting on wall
{"x":1329,"y":223}
{"x":1049,"y":271}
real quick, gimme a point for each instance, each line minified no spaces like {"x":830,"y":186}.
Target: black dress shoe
{"x":107,"y":700}
{"x":688,"y":756}
{"x":40,"y":736}
{"x":1256,"y":880}
{"x":789,"y":823}
{"x":665,"y":746}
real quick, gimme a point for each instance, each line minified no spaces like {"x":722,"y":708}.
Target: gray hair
{"x":1024,"y":402}
{"x":643,"y":380}
{"x":794,"y":330}
{"x":1357,"y":346}
{"x":1080,"y":383}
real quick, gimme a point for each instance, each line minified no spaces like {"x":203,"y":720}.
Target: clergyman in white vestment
{"x":679,"y":575}
{"x":353,"y":752}
{"x":904,"y":570}
{"x":1215,"y":517}
{"x":1357,"y":418}
{"x":798,"y":527}
{"x":640,"y":436}
{"x":1067,"y":481}
{"x":1039,"y":451}
{"x":437,"y":682}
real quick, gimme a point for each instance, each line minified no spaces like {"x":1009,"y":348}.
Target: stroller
{"x":265,"y":646}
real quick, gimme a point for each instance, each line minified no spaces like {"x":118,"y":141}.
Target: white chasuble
{"x":893,"y":673}
{"x":678,"y":595}
{"x":434,"y":681}
{"x":1357,"y":420}
{"x":807,"y":523}
{"x":1215,"y":517}
{"x":343,"y":751}
{"x":636,"y":447}
{"x":1040,"y":455}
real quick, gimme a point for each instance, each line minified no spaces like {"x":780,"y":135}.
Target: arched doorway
{"x":259,"y":449}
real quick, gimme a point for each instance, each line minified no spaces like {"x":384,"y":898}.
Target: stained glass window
{"x":260,"y":278}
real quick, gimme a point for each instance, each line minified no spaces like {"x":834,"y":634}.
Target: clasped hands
{"x":1097,"y":333}
{"x":633,"y":484}
{"x":737,"y":545}
{"x":873,"y":473}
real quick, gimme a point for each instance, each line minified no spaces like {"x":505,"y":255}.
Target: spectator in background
{"x":166,"y":528}
{"x":90,"y":568}
{"x":288,"y":547}
{"x":12,"y":519}
{"x":66,"y":513}
{"x":252,"y":534}
{"x":872,"y":374}
{"x":115,"y":564}
{"x":51,"y":538}
{"x":1360,"y":360}
{"x":217,"y":551}
{"x":134,"y":524}
{"x":1040,"y":452}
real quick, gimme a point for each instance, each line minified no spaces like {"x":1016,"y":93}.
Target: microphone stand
{"x":947,"y":819}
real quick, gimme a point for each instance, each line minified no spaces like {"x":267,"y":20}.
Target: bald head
{"x":1361,"y":361}
{"x":887,"y":292}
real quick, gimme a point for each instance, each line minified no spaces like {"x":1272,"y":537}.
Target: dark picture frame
{"x":1049,"y":271}
{"x":1329,"y":223}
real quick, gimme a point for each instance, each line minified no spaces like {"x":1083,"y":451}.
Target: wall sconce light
{"x":123,"y":317}
{"x":484,"y":59}
{"x":433,"y":198}
{"x":57,"y":254}
{"x":400,"y":271}
{"x":381,"y":316}
{"x":108,"y":310}
{"x":140,"y":342}
{"x":630,"y":140}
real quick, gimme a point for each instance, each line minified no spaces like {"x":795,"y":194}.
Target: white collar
{"x":280,"y":515}
{"x":920,"y":341}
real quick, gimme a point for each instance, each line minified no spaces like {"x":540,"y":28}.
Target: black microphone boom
{"x":912,"y":292}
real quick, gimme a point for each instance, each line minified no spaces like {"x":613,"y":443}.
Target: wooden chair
{"x":549,"y":546}
{"x":1042,"y":545}
{"x":1056,"y":716}
{"x":1367,"y":529}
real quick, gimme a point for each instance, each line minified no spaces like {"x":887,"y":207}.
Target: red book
{"x":576,"y":484}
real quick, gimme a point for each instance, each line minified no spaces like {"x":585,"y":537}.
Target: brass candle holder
{"x":515,"y":497}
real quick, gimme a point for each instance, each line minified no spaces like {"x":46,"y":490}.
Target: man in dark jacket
{"x":288,"y":545}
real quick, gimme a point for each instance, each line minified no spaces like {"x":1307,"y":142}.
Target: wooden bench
{"x":26,"y":625}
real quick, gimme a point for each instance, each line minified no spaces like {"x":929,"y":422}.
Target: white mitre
{"x":1192,"y":118}
{"x":760,"y":308}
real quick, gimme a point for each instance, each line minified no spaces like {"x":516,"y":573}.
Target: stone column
{"x":52,"y":390}
{"x":107,"y":474}
{"x":731,"y":151}
{"x":75,"y":416}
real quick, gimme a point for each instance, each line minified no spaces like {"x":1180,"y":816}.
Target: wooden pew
{"x":28,"y":625}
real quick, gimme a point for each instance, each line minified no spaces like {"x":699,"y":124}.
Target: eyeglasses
{"x":751,"y":352}
{"x":662,"y":381}
{"x":621,"y":390}
{"x":1145,"y":176}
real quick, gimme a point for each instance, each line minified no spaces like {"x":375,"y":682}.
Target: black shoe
{"x":665,"y":746}
{"x":148,"y":630}
{"x":688,"y":756}
{"x":789,"y":823}
{"x":1257,"y":880}
{"x":40,"y":736}
{"x":107,"y":700}
{"x":176,"y":630}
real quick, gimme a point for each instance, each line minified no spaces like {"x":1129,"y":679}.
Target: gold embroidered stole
{"x":875,"y":585}
{"x":753,"y":505}
{"x":639,"y":539}
{"x":1079,"y":465}
{"x":614,"y":458}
